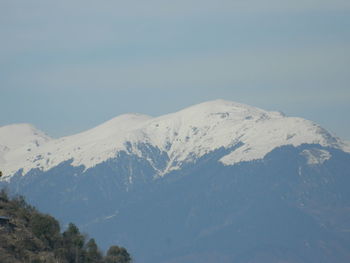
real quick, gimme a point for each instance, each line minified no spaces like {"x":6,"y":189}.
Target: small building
{"x":4,"y":220}
{"x":6,"y":225}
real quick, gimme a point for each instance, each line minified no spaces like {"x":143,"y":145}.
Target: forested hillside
{"x":26,"y":235}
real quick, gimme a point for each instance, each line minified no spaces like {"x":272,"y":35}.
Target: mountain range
{"x":216,"y":182}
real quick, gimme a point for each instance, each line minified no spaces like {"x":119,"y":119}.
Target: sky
{"x":67,"y":66}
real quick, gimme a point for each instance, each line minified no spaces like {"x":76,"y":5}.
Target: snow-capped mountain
{"x":216,"y":182}
{"x":184,"y":136}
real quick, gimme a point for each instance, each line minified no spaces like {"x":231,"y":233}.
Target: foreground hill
{"x":26,"y":235}
{"x":216,"y":182}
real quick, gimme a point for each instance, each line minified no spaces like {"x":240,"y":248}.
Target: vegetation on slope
{"x":26,"y":235}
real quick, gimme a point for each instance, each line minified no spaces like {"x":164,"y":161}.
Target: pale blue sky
{"x":66,"y":66}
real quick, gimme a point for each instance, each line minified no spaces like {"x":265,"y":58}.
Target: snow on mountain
{"x":18,"y":140}
{"x":185,"y":136}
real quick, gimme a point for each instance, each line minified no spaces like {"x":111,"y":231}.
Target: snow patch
{"x":316,"y":156}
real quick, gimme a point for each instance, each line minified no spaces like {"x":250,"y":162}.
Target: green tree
{"x":72,"y":236}
{"x":93,"y":254}
{"x":46,"y":228}
{"x":117,"y":254}
{"x":73,"y":243}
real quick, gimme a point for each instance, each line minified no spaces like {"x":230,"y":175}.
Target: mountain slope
{"x":278,"y":208}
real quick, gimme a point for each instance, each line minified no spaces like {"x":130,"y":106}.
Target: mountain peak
{"x":220,"y":105}
{"x":224,"y":108}
{"x":123,"y":122}
{"x":16,"y":135}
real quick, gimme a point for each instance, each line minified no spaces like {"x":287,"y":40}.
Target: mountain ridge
{"x":184,"y":136}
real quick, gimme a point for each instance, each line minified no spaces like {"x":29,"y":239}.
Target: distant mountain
{"x":216,"y":182}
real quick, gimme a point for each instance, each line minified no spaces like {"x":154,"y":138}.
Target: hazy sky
{"x":66,"y":66}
